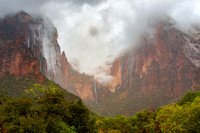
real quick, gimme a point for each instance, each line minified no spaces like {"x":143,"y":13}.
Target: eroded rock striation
{"x":158,"y":70}
{"x":28,"y":45}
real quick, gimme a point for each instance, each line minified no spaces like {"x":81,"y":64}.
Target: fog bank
{"x":94,"y":32}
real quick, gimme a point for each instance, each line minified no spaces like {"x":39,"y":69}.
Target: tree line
{"x":53,"y":113}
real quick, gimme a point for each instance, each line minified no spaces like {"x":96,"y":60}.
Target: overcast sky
{"x":93,"y":32}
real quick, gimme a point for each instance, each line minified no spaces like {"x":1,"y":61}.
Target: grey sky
{"x":117,"y":25}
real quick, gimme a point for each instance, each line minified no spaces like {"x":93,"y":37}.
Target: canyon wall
{"x":28,"y":45}
{"x":158,"y":70}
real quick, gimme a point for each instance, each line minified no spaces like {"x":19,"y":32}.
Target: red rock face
{"x":15,"y":57}
{"x":29,"y":46}
{"x":18,"y":60}
{"x":116,"y":72}
{"x":161,"y":68}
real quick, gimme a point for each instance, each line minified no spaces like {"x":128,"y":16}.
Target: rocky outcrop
{"x":16,"y":58}
{"x":161,"y":64}
{"x":158,"y":70}
{"x":28,"y":45}
{"x":116,"y":72}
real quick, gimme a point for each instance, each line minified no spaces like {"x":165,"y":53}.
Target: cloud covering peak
{"x":94,"y":32}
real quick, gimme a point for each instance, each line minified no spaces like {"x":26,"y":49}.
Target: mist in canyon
{"x":93,"y":33}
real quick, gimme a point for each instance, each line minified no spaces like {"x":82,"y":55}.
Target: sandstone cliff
{"x":158,"y":70}
{"x":16,"y":58}
{"x":28,"y":45}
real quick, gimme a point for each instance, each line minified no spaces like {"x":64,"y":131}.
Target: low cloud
{"x":94,"y":32}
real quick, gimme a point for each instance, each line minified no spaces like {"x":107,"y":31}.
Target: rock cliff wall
{"x":158,"y":70}
{"x":28,"y":45}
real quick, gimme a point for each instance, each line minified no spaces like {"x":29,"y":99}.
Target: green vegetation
{"x":27,"y":105}
{"x":29,"y":85}
{"x":183,"y":116}
{"x":51,"y":113}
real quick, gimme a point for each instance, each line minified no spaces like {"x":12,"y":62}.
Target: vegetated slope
{"x":182,"y":116}
{"x":158,"y":70}
{"x":30,"y":85}
{"x":53,"y":113}
{"x":48,"y":113}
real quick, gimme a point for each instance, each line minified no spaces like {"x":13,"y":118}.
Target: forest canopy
{"x":52,"y":113}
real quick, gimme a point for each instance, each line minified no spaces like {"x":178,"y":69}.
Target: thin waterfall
{"x":34,"y":38}
{"x":28,"y":42}
{"x":95,"y":90}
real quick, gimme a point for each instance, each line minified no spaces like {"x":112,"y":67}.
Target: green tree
{"x":189,"y":97}
{"x":176,"y":118}
{"x":19,"y":116}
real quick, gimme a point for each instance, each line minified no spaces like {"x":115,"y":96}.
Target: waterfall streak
{"x":95,"y":90}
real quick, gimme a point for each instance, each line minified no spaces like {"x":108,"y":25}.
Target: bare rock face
{"x":116,"y":72}
{"x":15,"y":57}
{"x":162,"y":64}
{"x":28,"y":45}
{"x":18,"y":60}
{"x":157,"y":71}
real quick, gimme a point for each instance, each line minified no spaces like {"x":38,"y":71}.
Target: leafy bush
{"x":50,"y":113}
{"x":180,"y":117}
